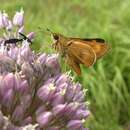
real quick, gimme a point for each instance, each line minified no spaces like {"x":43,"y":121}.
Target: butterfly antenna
{"x":46,"y":31}
{"x":49,"y":30}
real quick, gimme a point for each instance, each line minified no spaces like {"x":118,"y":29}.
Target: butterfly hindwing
{"x":99,"y":48}
{"x":73,"y":64}
{"x":82,"y":53}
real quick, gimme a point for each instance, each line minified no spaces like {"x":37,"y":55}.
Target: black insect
{"x":15,"y":40}
{"x":25,"y":38}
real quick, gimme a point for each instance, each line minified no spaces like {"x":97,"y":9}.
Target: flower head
{"x":34,"y":94}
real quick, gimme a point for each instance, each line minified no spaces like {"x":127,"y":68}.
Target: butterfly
{"x":78,"y":51}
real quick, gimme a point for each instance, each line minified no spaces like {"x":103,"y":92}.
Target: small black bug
{"x":15,"y":40}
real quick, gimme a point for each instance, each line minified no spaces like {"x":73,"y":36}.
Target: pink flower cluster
{"x":34,"y":94}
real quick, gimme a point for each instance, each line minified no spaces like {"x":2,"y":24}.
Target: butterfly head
{"x":56,"y":36}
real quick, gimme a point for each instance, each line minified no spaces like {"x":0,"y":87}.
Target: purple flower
{"x":59,"y":109}
{"x":44,"y":118}
{"x":4,"y":22}
{"x":21,"y":29}
{"x":31,"y":35}
{"x":5,"y":19}
{"x":34,"y":93}
{"x":74,"y":125}
{"x":1,"y":20}
{"x":19,"y":18}
{"x":9,"y":26}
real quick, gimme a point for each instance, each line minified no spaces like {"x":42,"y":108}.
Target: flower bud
{"x":6,"y":64}
{"x":22,"y":86}
{"x":82,"y":114}
{"x":10,"y":26}
{"x":53,"y":64}
{"x":58,"y":98}
{"x":26,"y":101}
{"x":38,"y":68}
{"x":74,"y":125}
{"x":40,"y":110}
{"x":27,"y":70}
{"x":18,"y":113}
{"x":79,"y":97}
{"x":59,"y":109}
{"x":44,"y":119}
{"x":13,"y":53}
{"x":19,"y":18}
{"x":4,"y":22}
{"x":42,"y":58}
{"x":70,"y":91}
{"x":5,"y":19}
{"x":46,"y":92}
{"x":1,"y":20}
{"x":27,"y":120}
{"x":26,"y":53}
{"x":62,"y":86}
{"x":7,"y":83}
{"x":21,"y":29}
{"x":10,"y":81}
{"x":61,"y":79}
{"x":31,"y":35}
{"x":8,"y":98}
{"x":71,"y":109}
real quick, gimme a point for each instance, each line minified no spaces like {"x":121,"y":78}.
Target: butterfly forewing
{"x":99,"y":46}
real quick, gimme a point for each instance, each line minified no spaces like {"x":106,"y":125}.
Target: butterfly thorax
{"x":61,"y":46}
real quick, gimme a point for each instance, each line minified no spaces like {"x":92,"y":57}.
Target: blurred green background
{"x":108,"y":82}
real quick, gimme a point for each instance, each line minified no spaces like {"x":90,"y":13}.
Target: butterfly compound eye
{"x":55,"y":36}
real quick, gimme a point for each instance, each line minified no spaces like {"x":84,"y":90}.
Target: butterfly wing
{"x":73,"y":63}
{"x":79,"y":53}
{"x":99,"y":48}
{"x":99,"y":45}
